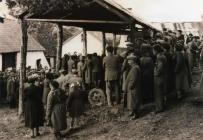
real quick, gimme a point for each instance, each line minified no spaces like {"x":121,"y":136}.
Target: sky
{"x":159,"y":10}
{"x":166,"y":10}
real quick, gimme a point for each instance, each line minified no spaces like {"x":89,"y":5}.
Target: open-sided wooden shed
{"x":107,"y":16}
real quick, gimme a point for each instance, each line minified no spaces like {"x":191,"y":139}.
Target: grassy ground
{"x":181,"y":121}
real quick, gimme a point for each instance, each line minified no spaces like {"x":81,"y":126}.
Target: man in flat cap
{"x":111,"y":64}
{"x":132,"y":87}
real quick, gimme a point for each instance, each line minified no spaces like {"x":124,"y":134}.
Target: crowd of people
{"x":147,"y":71}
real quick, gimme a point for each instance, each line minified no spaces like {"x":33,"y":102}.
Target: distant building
{"x":10,"y":43}
{"x":75,"y":44}
{"x":94,"y":43}
{"x":196,"y":28}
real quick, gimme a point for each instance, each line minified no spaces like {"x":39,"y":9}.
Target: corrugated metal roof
{"x":10,"y":38}
{"x":118,"y":5}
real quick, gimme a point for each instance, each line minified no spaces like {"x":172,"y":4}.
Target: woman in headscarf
{"x":56,"y":109}
{"x":33,"y":107}
{"x":75,"y":102}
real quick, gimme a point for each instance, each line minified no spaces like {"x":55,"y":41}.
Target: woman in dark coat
{"x":33,"y":107}
{"x":75,"y":102}
{"x":56,"y":109}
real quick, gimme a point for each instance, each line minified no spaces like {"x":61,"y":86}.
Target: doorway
{"x":9,"y":61}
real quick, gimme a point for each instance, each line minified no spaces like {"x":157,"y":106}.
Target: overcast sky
{"x":161,"y":10}
{"x":167,"y":10}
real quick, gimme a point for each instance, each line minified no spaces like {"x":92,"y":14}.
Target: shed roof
{"x":10,"y":38}
{"x":131,"y":14}
{"x":101,"y":15}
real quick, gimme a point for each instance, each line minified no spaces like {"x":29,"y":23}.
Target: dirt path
{"x":182,"y":121}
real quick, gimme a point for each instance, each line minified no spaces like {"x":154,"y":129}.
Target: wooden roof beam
{"x":77,"y":21}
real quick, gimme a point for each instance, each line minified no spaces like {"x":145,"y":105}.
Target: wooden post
{"x":132,"y":34}
{"x":59,"y":47}
{"x":104,"y":43}
{"x":85,"y":42}
{"x":114,"y":40}
{"x":114,"y":43}
{"x":23,"y":53}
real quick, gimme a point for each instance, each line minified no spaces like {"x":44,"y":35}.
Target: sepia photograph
{"x":101,"y":69}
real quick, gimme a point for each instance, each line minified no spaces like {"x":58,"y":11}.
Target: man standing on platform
{"x":111,"y":65}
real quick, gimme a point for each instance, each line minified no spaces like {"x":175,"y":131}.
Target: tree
{"x":21,"y":8}
{"x":41,"y":6}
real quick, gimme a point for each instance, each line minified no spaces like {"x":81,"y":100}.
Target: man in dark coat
{"x":159,"y":78}
{"x":87,"y":68}
{"x":96,"y":70}
{"x":180,"y":36}
{"x":147,"y":74}
{"x":170,"y":75}
{"x":132,"y":87}
{"x":64,"y":63}
{"x":181,"y":72}
{"x":12,"y":91}
{"x":111,"y":64}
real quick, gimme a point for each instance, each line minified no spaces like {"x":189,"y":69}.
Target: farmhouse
{"x":10,"y":43}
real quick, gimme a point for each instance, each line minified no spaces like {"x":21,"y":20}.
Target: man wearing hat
{"x":96,"y":70}
{"x":147,"y":73}
{"x":159,"y":78}
{"x":111,"y":64}
{"x":180,"y":36}
{"x":132,"y":87}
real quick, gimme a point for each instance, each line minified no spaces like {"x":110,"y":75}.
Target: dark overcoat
{"x":181,"y":72}
{"x":76,"y":104}
{"x":33,"y":106}
{"x":147,"y":78}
